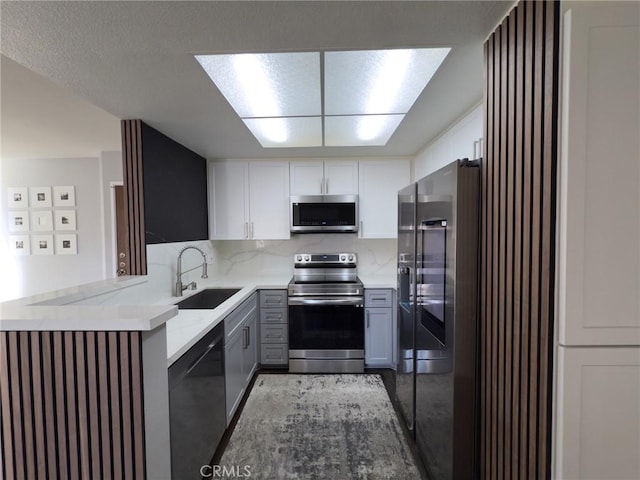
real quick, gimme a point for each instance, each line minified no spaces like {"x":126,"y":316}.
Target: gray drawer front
{"x":274,"y":354}
{"x":273,"y":298}
{"x":274,"y":333}
{"x":235,"y":318}
{"x":273,"y":315}
{"x":378,"y":298}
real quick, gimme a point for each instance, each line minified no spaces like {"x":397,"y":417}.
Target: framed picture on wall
{"x":64,"y":196}
{"x":17,"y":197}
{"x":39,"y":197}
{"x":42,"y":244}
{"x":65,"y":219}
{"x":67,"y":244}
{"x":19,"y":244}
{"x":19,"y":221}
{"x":42,"y":221}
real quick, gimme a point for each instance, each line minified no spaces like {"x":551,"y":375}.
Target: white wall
{"x":454,"y":143}
{"x":28,"y":275}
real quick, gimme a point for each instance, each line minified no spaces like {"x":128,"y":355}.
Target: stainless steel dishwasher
{"x":197,"y":405}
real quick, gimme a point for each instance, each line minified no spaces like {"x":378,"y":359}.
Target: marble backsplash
{"x":273,"y":256}
{"x":245,"y":257}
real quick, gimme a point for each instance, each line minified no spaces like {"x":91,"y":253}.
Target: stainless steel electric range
{"x":326,"y":314}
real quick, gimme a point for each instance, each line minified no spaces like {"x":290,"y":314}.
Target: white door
{"x":307,"y":177}
{"x":341,"y":177}
{"x":228,"y":200}
{"x":269,"y":200}
{"x":380,"y":181}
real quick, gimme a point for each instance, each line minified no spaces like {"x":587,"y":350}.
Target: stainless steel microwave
{"x":324,"y":213}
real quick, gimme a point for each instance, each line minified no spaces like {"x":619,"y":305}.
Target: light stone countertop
{"x":71,"y":309}
{"x":133,"y":303}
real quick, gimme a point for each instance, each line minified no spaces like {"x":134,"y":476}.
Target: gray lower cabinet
{"x":379,"y":328}
{"x":240,"y":352}
{"x":274,"y":328}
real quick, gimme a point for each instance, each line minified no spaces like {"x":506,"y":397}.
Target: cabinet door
{"x":378,"y":347}
{"x":341,"y":177}
{"x":234,"y":376}
{"x":269,"y":200}
{"x":307,"y":177}
{"x":379,"y":183}
{"x":598,"y":413}
{"x":599,"y":221}
{"x":228,"y":200}
{"x":250,"y":351}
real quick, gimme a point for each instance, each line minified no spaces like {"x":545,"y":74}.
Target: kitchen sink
{"x":208,"y":298}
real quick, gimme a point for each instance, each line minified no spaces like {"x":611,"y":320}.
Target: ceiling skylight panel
{"x":378,"y":81}
{"x":359,"y":130}
{"x":267,"y":85}
{"x":286,"y":132}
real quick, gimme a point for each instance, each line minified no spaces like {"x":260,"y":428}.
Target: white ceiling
{"x":136,"y":59}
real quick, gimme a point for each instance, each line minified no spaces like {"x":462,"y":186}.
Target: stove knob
{"x":299,"y":258}
{"x":307,"y":258}
{"x":343,"y":258}
{"x":351,"y":258}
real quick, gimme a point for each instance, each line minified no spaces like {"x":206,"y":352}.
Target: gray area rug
{"x":319,"y":427}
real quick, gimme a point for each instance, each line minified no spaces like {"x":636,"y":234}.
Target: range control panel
{"x":325,"y":259}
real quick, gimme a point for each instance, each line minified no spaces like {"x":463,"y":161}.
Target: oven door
{"x":326,"y":334}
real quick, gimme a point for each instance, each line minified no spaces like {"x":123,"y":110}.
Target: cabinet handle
{"x":379,"y":299}
{"x":248,"y":336}
{"x":246,"y":226}
{"x":367,"y":318}
{"x":361,"y":229}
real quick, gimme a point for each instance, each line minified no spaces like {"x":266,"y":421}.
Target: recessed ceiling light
{"x":366,"y":93}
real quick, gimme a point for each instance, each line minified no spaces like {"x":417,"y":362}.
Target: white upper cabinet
{"x":340,"y":177}
{"x":324,"y":177}
{"x":249,"y":200}
{"x":379,"y":183}
{"x":599,"y":220}
{"x":269,"y":200}
{"x":228,"y":200}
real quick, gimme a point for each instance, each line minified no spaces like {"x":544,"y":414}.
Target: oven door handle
{"x":352,"y":301}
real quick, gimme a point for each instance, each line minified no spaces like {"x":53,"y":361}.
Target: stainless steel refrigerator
{"x":437,"y":317}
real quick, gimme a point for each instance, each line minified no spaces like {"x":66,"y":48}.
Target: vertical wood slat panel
{"x":547,"y":286}
{"x":517,"y":251}
{"x":6,"y":414}
{"x":137,"y":406}
{"x":484,"y":376}
{"x":134,"y":193}
{"x":50,"y":387}
{"x":501,"y":244}
{"x":488,"y":214}
{"x":510,"y":339}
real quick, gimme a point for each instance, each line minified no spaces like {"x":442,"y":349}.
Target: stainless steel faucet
{"x":191,"y":285}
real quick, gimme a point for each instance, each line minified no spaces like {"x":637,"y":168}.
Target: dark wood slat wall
{"x":134,"y":194}
{"x":67,"y":405}
{"x":518,"y":238}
